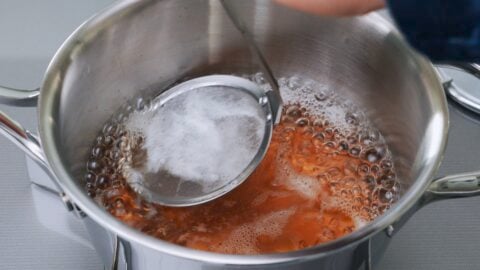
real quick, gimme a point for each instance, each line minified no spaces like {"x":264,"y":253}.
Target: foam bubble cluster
{"x":242,"y":240}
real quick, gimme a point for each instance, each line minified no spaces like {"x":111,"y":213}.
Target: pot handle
{"x":457,"y":185}
{"x":457,"y":94}
{"x":454,"y":186}
{"x":24,"y":139}
{"x":18,"y":97}
{"x":121,"y":255}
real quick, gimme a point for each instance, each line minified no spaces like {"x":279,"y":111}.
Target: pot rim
{"x":48,"y":114}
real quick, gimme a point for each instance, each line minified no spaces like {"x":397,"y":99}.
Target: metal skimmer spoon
{"x":166,"y":188}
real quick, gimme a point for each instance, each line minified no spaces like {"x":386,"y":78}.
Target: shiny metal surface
{"x":24,"y":139}
{"x":455,"y":186}
{"x":464,"y":96}
{"x":116,"y":251}
{"x":30,"y":144}
{"x":274,"y":97}
{"x":175,"y":193}
{"x":107,"y":58}
{"x":399,"y":91}
{"x":18,"y":97}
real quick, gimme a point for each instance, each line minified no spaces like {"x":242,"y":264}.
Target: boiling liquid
{"x":320,"y":179}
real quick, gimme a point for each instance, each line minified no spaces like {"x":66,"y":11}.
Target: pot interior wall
{"x":143,"y":48}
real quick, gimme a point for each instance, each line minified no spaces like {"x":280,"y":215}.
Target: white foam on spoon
{"x":208,"y":135}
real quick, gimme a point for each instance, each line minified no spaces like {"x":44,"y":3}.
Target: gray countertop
{"x":444,"y":235}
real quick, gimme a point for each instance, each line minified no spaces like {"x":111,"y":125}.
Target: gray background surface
{"x":445,"y":235}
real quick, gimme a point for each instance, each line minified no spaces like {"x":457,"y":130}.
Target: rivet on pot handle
{"x":24,"y":139}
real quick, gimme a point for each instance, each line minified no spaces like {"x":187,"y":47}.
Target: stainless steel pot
{"x":135,"y":48}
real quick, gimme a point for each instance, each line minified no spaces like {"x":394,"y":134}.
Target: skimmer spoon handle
{"x":274,"y":95}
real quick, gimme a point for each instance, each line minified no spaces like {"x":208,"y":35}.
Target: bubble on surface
{"x":294,"y":111}
{"x":97,"y":151}
{"x":94,"y":165}
{"x":363,"y":169}
{"x":386,"y":164}
{"x":355,"y":151}
{"x":351,"y":118}
{"x":374,"y":154}
{"x":90,"y":177}
{"x":321,"y":96}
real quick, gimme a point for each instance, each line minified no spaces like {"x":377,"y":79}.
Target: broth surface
{"x":324,"y":175}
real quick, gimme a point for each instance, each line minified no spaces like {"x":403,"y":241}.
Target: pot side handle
{"x":457,"y":94}
{"x":454,"y":186}
{"x":18,"y":97}
{"x":24,"y":139}
{"x":463,"y":184}
{"x":460,"y":185}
